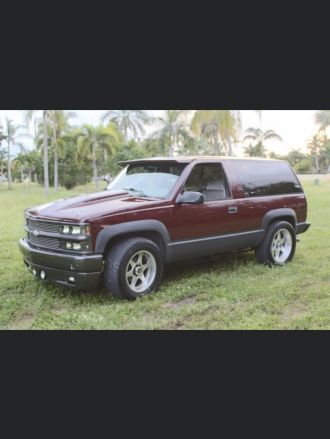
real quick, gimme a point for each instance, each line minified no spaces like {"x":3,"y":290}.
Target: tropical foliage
{"x":29,"y":114}
{"x":12,"y":136}
{"x":67,"y":154}
{"x":322,"y":118}
{"x":257,"y":139}
{"x":171,"y":132}
{"x":219,"y":127}
{"x":131,"y":123}
{"x":95,"y":143}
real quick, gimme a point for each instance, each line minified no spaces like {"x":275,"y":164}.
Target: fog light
{"x":34,"y":272}
{"x":68,"y":245}
{"x":42,"y":275}
{"x":71,"y":279}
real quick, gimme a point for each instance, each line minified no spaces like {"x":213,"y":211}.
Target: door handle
{"x":232,"y":209}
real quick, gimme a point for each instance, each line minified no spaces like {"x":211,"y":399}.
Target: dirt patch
{"x":174,"y":305}
{"x":291,"y":312}
{"x":176,"y":325}
{"x":58,"y":310}
{"x":24,"y":321}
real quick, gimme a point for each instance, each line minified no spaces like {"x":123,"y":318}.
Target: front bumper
{"x":86,"y":270}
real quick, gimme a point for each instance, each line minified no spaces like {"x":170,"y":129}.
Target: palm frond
{"x":270,"y":134}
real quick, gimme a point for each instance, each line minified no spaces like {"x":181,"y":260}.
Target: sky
{"x":294,"y":126}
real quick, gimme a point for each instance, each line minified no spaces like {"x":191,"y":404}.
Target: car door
{"x":218,"y":215}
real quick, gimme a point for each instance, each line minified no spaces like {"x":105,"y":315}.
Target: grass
{"x":223,"y":292}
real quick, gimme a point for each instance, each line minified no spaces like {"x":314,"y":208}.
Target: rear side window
{"x":266,"y":178}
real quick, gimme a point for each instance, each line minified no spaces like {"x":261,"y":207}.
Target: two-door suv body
{"x":163,"y":210}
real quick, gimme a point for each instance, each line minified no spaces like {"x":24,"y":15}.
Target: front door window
{"x":210,"y":180}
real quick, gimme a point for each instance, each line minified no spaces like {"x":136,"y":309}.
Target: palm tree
{"x":3,"y":158}
{"x":45,"y":115}
{"x":257,"y":150}
{"x":220,"y":127}
{"x":59,"y":122}
{"x":129,"y":122}
{"x":172,"y":130}
{"x":3,"y":161}
{"x":258,"y":137}
{"x":322,"y":118}
{"x":230,"y":126}
{"x":12,"y":136}
{"x":28,"y":162}
{"x":315,"y":146}
{"x":205,"y":125}
{"x":93,"y":141}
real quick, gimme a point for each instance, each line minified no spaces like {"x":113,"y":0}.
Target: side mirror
{"x":191,"y":198}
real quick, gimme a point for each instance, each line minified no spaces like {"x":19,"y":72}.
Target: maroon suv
{"x":163,"y":210}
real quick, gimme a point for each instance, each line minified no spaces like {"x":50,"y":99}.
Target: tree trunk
{"x":216,"y":144}
{"x":55,"y":169}
{"x":55,"y":158}
{"x":95,"y":168}
{"x":96,"y":181}
{"x":170,"y":150}
{"x":230,"y":146}
{"x":22,"y":175}
{"x":317,"y":164}
{"x":45,"y":146}
{"x":9,"y":167}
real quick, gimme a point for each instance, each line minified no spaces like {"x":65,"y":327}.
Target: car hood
{"x":84,"y":208}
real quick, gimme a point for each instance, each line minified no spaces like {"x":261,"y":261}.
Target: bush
{"x":71,"y":173}
{"x":304,"y":166}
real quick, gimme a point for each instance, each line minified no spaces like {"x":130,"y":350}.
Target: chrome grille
{"x":43,"y":241}
{"x":43,"y":226}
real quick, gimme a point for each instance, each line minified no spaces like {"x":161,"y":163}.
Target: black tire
{"x":263,"y":252}
{"x":117,"y":261}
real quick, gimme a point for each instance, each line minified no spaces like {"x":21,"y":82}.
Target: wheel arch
{"x":150,"y":229}
{"x":283,"y":214}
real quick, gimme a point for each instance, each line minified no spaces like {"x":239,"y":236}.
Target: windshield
{"x":149,"y":180}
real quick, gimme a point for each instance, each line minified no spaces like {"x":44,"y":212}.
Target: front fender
{"x":122,"y":229}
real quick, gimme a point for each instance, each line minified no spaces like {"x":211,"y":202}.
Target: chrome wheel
{"x":141,"y":271}
{"x":281,"y":246}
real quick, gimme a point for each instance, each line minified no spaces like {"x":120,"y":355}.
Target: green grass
{"x":224,"y":292}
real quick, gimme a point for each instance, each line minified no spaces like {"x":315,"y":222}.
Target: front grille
{"x":47,"y":235}
{"x":43,"y":226}
{"x":43,"y":241}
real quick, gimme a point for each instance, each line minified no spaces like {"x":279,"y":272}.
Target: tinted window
{"x":266,"y":178}
{"x":208,"y":179}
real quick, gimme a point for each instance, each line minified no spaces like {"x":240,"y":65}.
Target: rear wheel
{"x":133,"y":268}
{"x":279,"y":244}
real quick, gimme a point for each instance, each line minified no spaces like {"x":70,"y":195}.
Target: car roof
{"x":189,"y":159}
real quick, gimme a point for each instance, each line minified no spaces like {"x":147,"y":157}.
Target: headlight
{"x":75,"y":230}
{"x":83,"y":246}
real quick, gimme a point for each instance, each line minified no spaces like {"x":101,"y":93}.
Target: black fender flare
{"x":122,"y":229}
{"x":278,"y":214}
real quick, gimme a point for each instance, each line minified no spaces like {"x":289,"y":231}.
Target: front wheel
{"x":133,"y":268}
{"x":279,"y":244}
